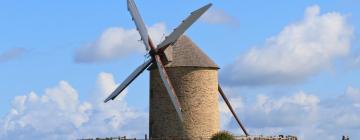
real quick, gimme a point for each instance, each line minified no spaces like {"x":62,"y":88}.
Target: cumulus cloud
{"x":219,"y":16}
{"x":11,"y":54}
{"x":291,"y":109}
{"x":59,"y":114}
{"x":300,"y":50}
{"x":300,"y":114}
{"x":117,"y":42}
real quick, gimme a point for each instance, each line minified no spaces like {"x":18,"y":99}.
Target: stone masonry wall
{"x":197,"y":91}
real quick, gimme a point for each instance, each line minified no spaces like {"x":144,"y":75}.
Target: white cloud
{"x":11,"y":54}
{"x":117,"y":42}
{"x":285,"y":111}
{"x":300,"y":114}
{"x":219,"y":16}
{"x":300,"y":50}
{"x":59,"y":114}
{"x":291,"y":109}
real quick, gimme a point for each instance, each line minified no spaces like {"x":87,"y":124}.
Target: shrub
{"x":223,"y":135}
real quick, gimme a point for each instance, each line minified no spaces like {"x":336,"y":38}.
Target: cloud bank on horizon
{"x":302,"y":114}
{"x":59,"y":114}
{"x":299,"y":51}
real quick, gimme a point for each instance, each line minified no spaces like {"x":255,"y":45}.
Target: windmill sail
{"x":168,"y":86}
{"x":140,"y":26}
{"x":178,"y":31}
{"x":232,"y":110}
{"x":128,"y":80}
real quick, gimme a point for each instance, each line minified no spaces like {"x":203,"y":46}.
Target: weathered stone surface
{"x":197,"y":91}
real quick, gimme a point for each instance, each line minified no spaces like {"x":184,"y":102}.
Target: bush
{"x":223,"y":135}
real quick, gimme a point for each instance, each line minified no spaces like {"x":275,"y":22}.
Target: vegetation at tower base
{"x":223,"y":135}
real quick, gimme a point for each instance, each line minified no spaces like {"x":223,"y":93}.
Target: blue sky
{"x":249,"y":40}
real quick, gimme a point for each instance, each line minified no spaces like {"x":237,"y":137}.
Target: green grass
{"x":223,"y":135}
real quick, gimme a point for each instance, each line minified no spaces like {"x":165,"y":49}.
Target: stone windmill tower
{"x":183,"y":83}
{"x":195,"y":80}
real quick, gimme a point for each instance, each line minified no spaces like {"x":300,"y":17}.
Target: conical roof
{"x":185,"y":53}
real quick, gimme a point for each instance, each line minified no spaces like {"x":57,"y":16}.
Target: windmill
{"x":166,"y":110}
